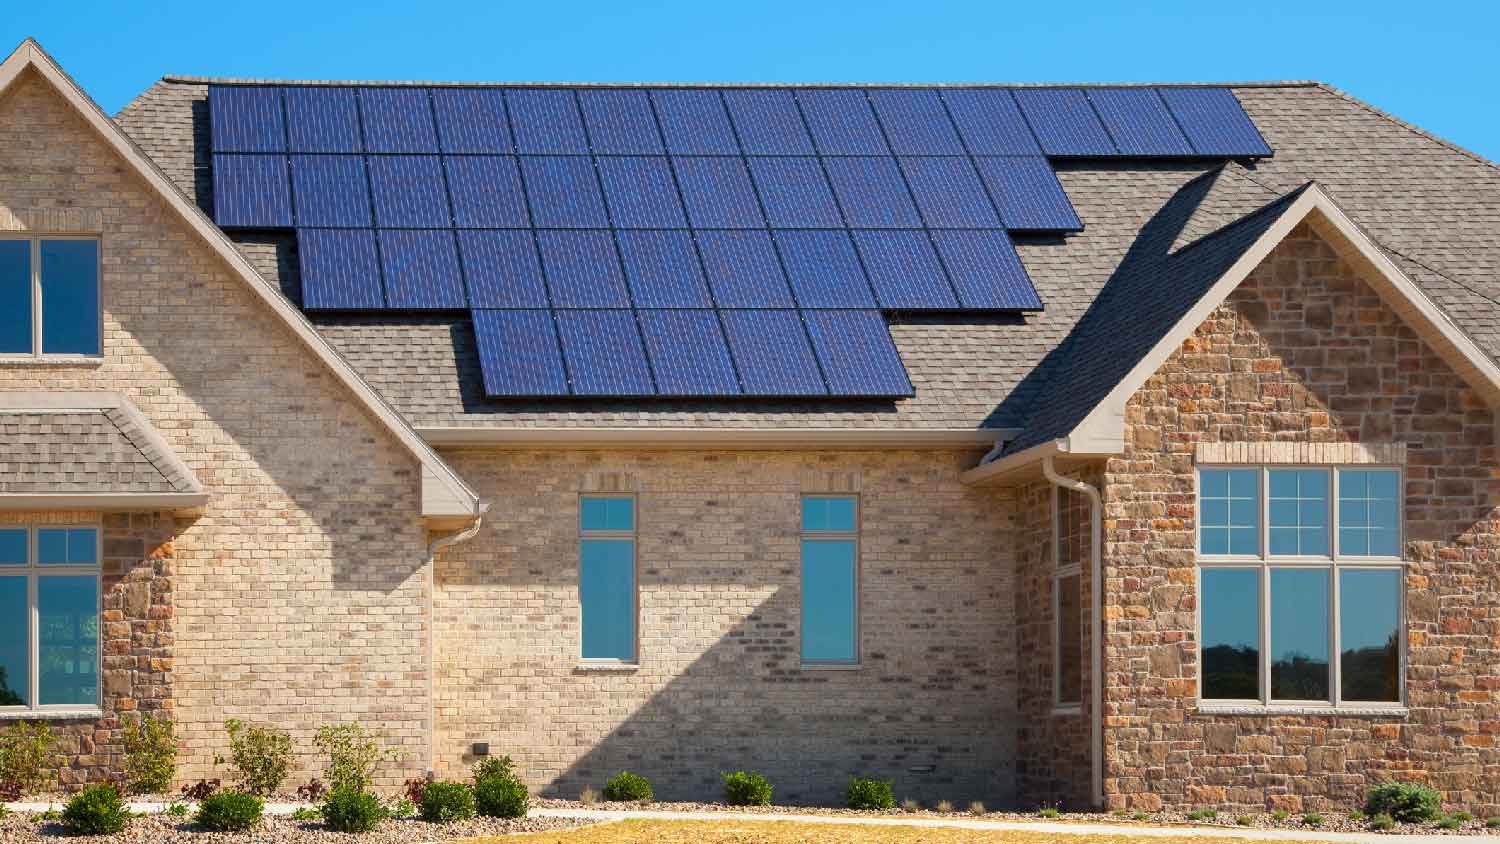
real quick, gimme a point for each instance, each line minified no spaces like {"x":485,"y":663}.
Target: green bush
{"x":870,"y":794}
{"x":1357,"y":816}
{"x":350,"y":810}
{"x":1492,"y":823}
{"x":1280,"y":815}
{"x":1202,"y":815}
{"x":625,"y":786}
{"x":445,"y":802}
{"x":1383,"y":822}
{"x":495,"y":766}
{"x":1312,"y":819}
{"x":353,"y":754}
{"x":307,"y":813}
{"x":1048,"y":812}
{"x":229,"y":811}
{"x":260,"y":755}
{"x":1448,"y":823}
{"x":746,"y":788}
{"x":96,"y":810}
{"x":150,"y":755}
{"x":26,"y":757}
{"x":501,"y":796}
{"x":1462,"y":817}
{"x":176,"y":810}
{"x":1403,"y":801}
{"x":403,"y":808}
{"x":1244,"y":820}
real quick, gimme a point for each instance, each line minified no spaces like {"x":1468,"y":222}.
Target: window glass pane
{"x":15,"y":296}
{"x":66,"y":546}
{"x":70,"y":297}
{"x":1299,"y":633}
{"x":1230,"y":607}
{"x":828,"y":601}
{"x":1369,"y":634}
{"x":68,"y":640}
{"x":828,"y":514}
{"x":1299,"y":512}
{"x":606,"y":590}
{"x":1229,"y":512}
{"x":15,"y":641}
{"x":13,"y":547}
{"x":608,"y":514}
{"x":1069,"y":639}
{"x":1369,"y":512}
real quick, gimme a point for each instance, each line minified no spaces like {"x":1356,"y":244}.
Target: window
{"x":830,"y":580}
{"x":49,"y":296}
{"x":1297,"y":565}
{"x":606,"y":578}
{"x":49,"y":617}
{"x":1071,"y":522}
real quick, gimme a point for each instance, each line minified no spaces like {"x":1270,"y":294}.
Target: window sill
{"x":52,"y":360}
{"x":81,"y":713}
{"x":606,"y":667}
{"x":1067,"y":709}
{"x":1345,"y":710}
{"x":831,"y":666}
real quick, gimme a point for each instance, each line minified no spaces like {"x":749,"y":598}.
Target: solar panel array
{"x":681,"y":241}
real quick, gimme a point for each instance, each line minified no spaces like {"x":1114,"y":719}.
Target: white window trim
{"x":1333,"y":563}
{"x":31,"y":571}
{"x":833,"y":536}
{"x":36,"y":354}
{"x":1061,"y":571}
{"x":612,"y":663}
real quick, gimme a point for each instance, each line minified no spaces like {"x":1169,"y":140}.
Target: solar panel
{"x":640,"y":193}
{"x":322,"y":119}
{"x":795,"y":193}
{"x":688,"y":353}
{"x":857,"y":354}
{"x":564,"y":192}
{"x":582,"y":269}
{"x":1064,"y":122}
{"x":743,"y":270}
{"x":251,"y":191}
{"x":694,"y":122}
{"x":502,"y":269}
{"x":486,"y":191}
{"x":421,"y":269}
{"x":824,"y":270}
{"x":330,"y":190}
{"x":872,"y":193}
{"x":662,"y":269}
{"x":1139,"y":122}
{"x":773,"y":354}
{"x":915,"y":121}
{"x":519,"y":353}
{"x":604,"y":354}
{"x":471,"y":120}
{"x":339,"y":269}
{"x":904,"y":270}
{"x":1028,"y":193}
{"x":546,"y":120}
{"x":842,"y":122}
{"x":1215,"y":122}
{"x":620,"y":122}
{"x":718,"y":193}
{"x":397,"y":120}
{"x":949,"y":193}
{"x":985,"y":270}
{"x":990,"y":122}
{"x":244,"y":118}
{"x":768,"y":122}
{"x":409,"y":192}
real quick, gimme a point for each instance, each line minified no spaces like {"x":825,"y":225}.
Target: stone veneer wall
{"x":1303,"y":352}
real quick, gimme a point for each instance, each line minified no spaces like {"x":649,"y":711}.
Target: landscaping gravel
{"x":29,"y":828}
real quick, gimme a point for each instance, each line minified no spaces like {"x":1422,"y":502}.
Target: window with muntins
{"x":1071,"y":522}
{"x":49,"y":617}
{"x":1300,"y":585}
{"x":830,"y":580}
{"x":49,"y":297}
{"x":607,"y":578}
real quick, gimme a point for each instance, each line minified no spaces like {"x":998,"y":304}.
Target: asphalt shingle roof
{"x":83,"y":451}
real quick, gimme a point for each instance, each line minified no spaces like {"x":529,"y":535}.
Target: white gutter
{"x":1096,"y":624}
{"x":717,"y":438}
{"x":432,"y":549}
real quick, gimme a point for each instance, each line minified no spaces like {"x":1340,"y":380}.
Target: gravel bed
{"x":29,"y":828}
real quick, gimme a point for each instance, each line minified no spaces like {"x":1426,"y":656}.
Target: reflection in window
{"x":50,"y":574}
{"x":606,"y":578}
{"x":830,"y":580}
{"x":1231,"y":633}
{"x":70,"y":297}
{"x":15,"y":641}
{"x":15,"y":297}
{"x":1299,"y":512}
{"x":1299,"y":633}
{"x":1370,"y":634}
{"x":1069,"y":639}
{"x":1229,"y":518}
{"x":67,"y":640}
{"x":1369,"y":520}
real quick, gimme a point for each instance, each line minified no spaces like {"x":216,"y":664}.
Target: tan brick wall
{"x":719,"y":685}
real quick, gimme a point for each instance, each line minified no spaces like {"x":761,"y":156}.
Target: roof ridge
{"x":1411,"y":127}
{"x":128,"y":426}
{"x":235,"y":80}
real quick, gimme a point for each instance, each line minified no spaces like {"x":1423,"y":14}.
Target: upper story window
{"x":606,"y":577}
{"x":49,"y":297}
{"x":830,"y":580}
{"x":49,"y":617}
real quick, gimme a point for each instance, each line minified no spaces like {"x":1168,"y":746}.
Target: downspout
{"x":432,"y":549}
{"x":1096,"y":621}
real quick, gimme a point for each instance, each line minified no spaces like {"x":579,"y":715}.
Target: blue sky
{"x":1432,"y":64}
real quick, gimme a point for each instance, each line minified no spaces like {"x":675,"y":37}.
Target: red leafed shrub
{"x":201,"y":790}
{"x":415,"y":789}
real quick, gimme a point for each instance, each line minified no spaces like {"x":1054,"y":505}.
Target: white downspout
{"x":1096,"y":621}
{"x":432,"y":549}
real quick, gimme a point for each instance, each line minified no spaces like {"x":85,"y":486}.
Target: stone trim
{"x":44,"y":221}
{"x":816,"y":482}
{"x":1275,"y":709}
{"x":609,"y":482}
{"x":1385,"y":454}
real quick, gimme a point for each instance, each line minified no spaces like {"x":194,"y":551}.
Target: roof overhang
{"x":719,"y":439}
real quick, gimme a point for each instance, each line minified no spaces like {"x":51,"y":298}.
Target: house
{"x":1119,"y":446}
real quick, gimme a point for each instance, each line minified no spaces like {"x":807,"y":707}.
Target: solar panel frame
{"x":340,"y":269}
{"x":743,"y":269}
{"x":582,"y":269}
{"x":502,"y":269}
{"x":904,"y":270}
{"x":251,"y":191}
{"x":563,"y":192}
{"x":640,"y":192}
{"x":322,"y":119}
{"x":718,"y":192}
{"x":694,"y":121}
{"x":486,"y":191}
{"x":546,"y":121}
{"x":397,"y":120}
{"x":662,"y":269}
{"x":985,"y":270}
{"x":1215,"y":122}
{"x":421,"y":269}
{"x":1139,"y":122}
{"x":472,"y":120}
{"x":990,"y":122}
{"x":773,"y":353}
{"x":1064,"y":122}
{"x":842,"y":121}
{"x":768,"y":122}
{"x":949,"y":193}
{"x":795,"y":192}
{"x":519,"y":353}
{"x":1028,"y":194}
{"x":915,"y":121}
{"x":857,"y":355}
{"x":409,"y":191}
{"x":872,"y":192}
{"x":619,"y":121}
{"x":246,"y":118}
{"x":331,"y":190}
{"x":688,"y":353}
{"x":604,"y":353}
{"x":824,"y":269}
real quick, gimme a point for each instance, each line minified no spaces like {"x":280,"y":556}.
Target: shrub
{"x":229,"y":811}
{"x":1280,"y":815}
{"x":1449,"y":822}
{"x":150,"y":755}
{"x":1047,"y":812}
{"x":588,"y":796}
{"x":977,"y":808}
{"x":943,"y":806}
{"x":25,"y":756}
{"x":1244,"y":820}
{"x":910,"y":805}
{"x":306,"y":813}
{"x":176,"y":810}
{"x":445,"y":802}
{"x":312,"y":791}
{"x":501,"y":796}
{"x":1141,"y":816}
{"x":200,"y":789}
{"x":1492,"y":823}
{"x":261,"y":755}
{"x":625,"y":786}
{"x":96,"y":810}
{"x":1357,"y":816}
{"x":348,"y":810}
{"x":870,"y":794}
{"x":1202,"y":815}
{"x":1462,"y":816}
{"x":1403,"y":801}
{"x":1383,"y":822}
{"x":1312,"y":819}
{"x":747,"y":788}
{"x":500,"y":766}
{"x":353,"y":754}
{"x":403,"y":808}
{"x":1119,"y":813}
{"x":415,"y":787}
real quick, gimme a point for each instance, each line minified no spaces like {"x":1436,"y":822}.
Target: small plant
{"x":200,"y":790}
{"x":177,"y":810}
{"x":1312,"y":819}
{"x":403,"y":808}
{"x":50,"y":814}
{"x":977,"y":808}
{"x":494,"y":766}
{"x":1382,"y":822}
{"x":1202,"y":815}
{"x":1119,"y":813}
{"x":96,"y":810}
{"x":353,"y":754}
{"x":347,"y":810}
{"x":414,"y":789}
{"x":1492,"y":823}
{"x":230,"y":811}
{"x":1462,"y":817}
{"x":870,"y":794}
{"x":627,"y":787}
{"x":312,"y":791}
{"x":501,"y":796}
{"x":588,"y":796}
{"x":261,"y":755}
{"x":1048,"y":812}
{"x":910,"y":805}
{"x":1403,"y":801}
{"x":1448,"y":822}
{"x":944,"y":806}
{"x":150,"y":755}
{"x":1141,"y":816}
{"x":306,"y":813}
{"x":445,"y":802}
{"x":746,"y":788}
{"x":1357,"y":816}
{"x":1280,"y":815}
{"x":25,"y":758}
{"x":1244,"y":820}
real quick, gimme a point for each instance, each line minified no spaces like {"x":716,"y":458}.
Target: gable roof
{"x":444,"y":493}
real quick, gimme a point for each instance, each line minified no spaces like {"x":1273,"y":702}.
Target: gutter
{"x":717,"y":438}
{"x":432,"y":549}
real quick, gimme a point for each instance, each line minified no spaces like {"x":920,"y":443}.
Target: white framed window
{"x":607,"y":595}
{"x":830,"y":580}
{"x":1301,"y":585}
{"x":1071,"y":529}
{"x":49,"y":617}
{"x":49,"y":297}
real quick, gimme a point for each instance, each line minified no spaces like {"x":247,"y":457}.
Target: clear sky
{"x":1432,"y":63}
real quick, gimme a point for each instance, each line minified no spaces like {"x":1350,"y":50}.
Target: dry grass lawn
{"x":793,"y":832}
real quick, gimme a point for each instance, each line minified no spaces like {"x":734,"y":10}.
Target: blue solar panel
{"x":330,"y":190}
{"x":768,"y":122}
{"x":251,"y":191}
{"x":409,"y":192}
{"x":582,"y":269}
{"x":743,"y":270}
{"x":519,"y":353}
{"x":1028,"y":193}
{"x":688,"y":353}
{"x":486,"y":191}
{"x":322,"y":119}
{"x":339,"y":269}
{"x":824,"y":269}
{"x":773,"y":354}
{"x":905,"y":271}
{"x":1139,"y":122}
{"x":694,"y":122}
{"x":397,"y":120}
{"x":986,"y":271}
{"x":245,"y":119}
{"x":604,"y":353}
{"x":857,"y":354}
{"x":546,"y":120}
{"x":989,"y":122}
{"x":421,"y":269}
{"x":564,"y":192}
{"x":949,"y":193}
{"x":795,"y":193}
{"x":641,"y":193}
{"x":620,"y":122}
{"x":842,"y":122}
{"x":1215,"y":122}
{"x":662,"y":269}
{"x":1064,"y":122}
{"x":915,"y":121}
{"x":471,"y":120}
{"x":502,"y":269}
{"x":718,"y":193}
{"x":873,"y":193}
